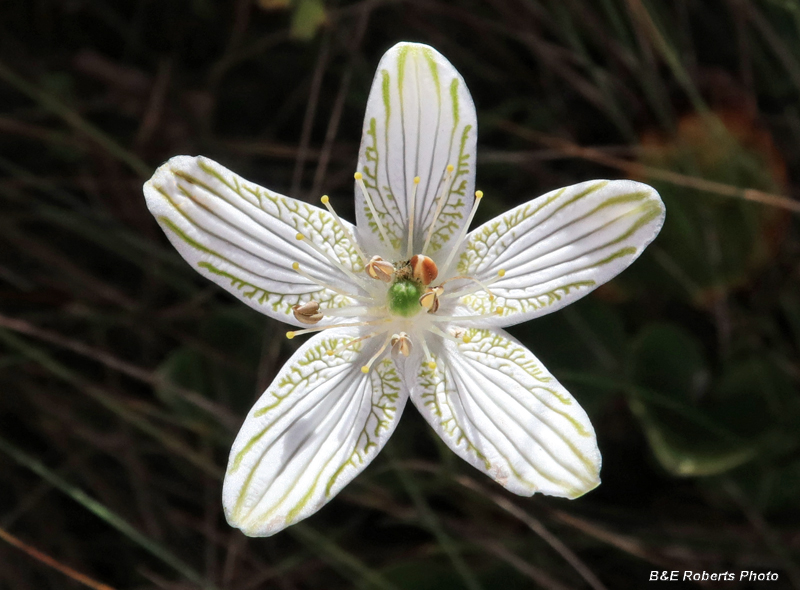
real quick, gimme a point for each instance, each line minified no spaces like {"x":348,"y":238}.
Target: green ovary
{"x":403,"y":297}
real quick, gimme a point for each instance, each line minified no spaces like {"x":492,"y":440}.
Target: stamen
{"x":457,"y":318}
{"x":461,"y":334}
{"x":439,"y":205}
{"x":401,"y":344}
{"x":380,"y":269}
{"x":443,"y":334}
{"x":428,"y":357}
{"x":365,"y":368}
{"x":412,"y":214}
{"x":304,"y":274}
{"x":352,"y":311}
{"x":483,"y":286}
{"x":337,"y":263}
{"x":430,"y":299}
{"x":348,"y":344}
{"x":291,"y":334}
{"x":423,"y":269}
{"x":464,"y":230}
{"x":326,"y":201}
{"x":360,"y":180}
{"x":307,"y":313}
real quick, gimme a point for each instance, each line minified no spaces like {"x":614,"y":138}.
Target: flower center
{"x":409,"y":285}
{"x":403,"y":298}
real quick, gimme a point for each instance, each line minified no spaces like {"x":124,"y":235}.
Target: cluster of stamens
{"x":407,"y":291}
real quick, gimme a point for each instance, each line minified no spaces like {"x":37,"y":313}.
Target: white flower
{"x":406,"y":303}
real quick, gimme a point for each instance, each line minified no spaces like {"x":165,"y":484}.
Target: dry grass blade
{"x":50,"y":562}
{"x":431,"y":521}
{"x":537,"y":527}
{"x":311,"y":110}
{"x":23,"y":327}
{"x":106,"y":515}
{"x":532,"y":523}
{"x":76,"y":121}
{"x":111,"y":403}
{"x":642,"y":171}
{"x":350,"y":564}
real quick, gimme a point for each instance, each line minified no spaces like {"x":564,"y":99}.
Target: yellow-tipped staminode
{"x":439,"y":205}
{"x":360,"y":181}
{"x":457,"y":244}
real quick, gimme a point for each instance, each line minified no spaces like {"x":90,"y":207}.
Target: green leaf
{"x":691,"y":426}
{"x":309,"y":16}
{"x":710,"y":242}
{"x":227,"y":377}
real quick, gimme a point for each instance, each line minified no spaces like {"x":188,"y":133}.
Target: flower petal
{"x":420,"y":118}
{"x":244,"y":237}
{"x":318,"y":425}
{"x":497,"y":407}
{"x":559,"y":247}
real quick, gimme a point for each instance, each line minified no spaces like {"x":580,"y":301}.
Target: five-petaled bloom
{"x":407,"y":303}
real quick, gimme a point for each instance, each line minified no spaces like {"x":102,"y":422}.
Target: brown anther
{"x":307,"y":313}
{"x":401,"y":344}
{"x":379,"y":269}
{"x":423,"y":269}
{"x":430,"y":298}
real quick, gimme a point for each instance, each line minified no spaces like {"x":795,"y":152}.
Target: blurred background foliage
{"x":124,"y":375}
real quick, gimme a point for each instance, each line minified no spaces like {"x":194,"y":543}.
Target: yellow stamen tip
{"x":501,"y":273}
{"x":324,"y":199}
{"x":466,"y":339}
{"x":358,"y":176}
{"x":296,"y":265}
{"x":289,"y":335}
{"x":491,"y":297}
{"x":450,"y":167}
{"x":365,"y":369}
{"x":330,"y":353}
{"x":300,"y":238}
{"x":478,"y":194}
{"x":431,"y":365}
{"x":416,"y":180}
{"x":498,"y":310}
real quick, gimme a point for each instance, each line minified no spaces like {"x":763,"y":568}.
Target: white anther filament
{"x":365,"y":368}
{"x":439,"y":205}
{"x":360,"y":181}
{"x":291,"y":334}
{"x":412,"y":213}
{"x":483,"y":286}
{"x":337,"y":263}
{"x":326,"y":201}
{"x":458,"y":318}
{"x":443,"y":334}
{"x":353,"y":311}
{"x":428,"y":357}
{"x":464,"y":229}
{"x":349,"y":343}
{"x":304,"y":274}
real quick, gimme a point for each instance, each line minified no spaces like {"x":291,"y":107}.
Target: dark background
{"x":124,"y":375}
